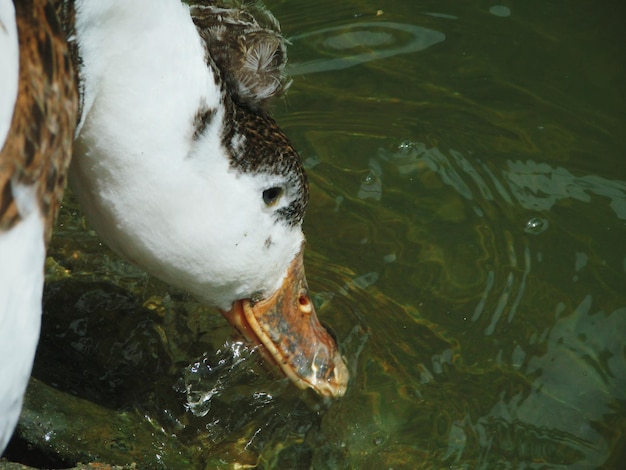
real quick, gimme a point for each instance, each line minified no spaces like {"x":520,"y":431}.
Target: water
{"x":465,"y":244}
{"x":469,"y":159}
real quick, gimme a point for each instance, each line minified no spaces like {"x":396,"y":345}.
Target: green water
{"x":465,"y":244}
{"x":471,"y":176}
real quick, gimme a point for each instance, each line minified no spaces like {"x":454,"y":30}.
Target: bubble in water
{"x":369,"y":178}
{"x":371,"y":184}
{"x":536,"y":225}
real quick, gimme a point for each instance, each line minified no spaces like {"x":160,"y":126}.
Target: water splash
{"x":211,"y":375}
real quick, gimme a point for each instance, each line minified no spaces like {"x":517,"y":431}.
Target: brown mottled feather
{"x":243,"y":39}
{"x":38,"y":146}
{"x":66,"y":12}
{"x":243,"y":42}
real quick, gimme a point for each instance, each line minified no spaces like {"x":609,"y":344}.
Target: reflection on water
{"x":500,"y":10}
{"x":532,"y":185}
{"x":538,"y":186}
{"x":465,"y":245}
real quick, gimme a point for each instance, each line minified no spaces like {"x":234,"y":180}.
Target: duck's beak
{"x":290,"y":335}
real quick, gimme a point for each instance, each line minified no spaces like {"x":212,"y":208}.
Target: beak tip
{"x":341,"y":379}
{"x":293,"y":339}
{"x":336,"y":385}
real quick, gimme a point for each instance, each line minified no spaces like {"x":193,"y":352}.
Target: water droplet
{"x":406,"y":145}
{"x":371,"y":185}
{"x":536,"y":225}
{"x":369,"y":178}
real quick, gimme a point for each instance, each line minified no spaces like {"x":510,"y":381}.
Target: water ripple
{"x":500,"y":201}
{"x":533,"y":185}
{"x":358,"y":43}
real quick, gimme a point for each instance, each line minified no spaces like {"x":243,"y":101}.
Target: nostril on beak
{"x":305,"y":304}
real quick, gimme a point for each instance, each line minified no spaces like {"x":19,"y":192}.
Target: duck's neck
{"x":146,"y":86}
{"x":163,"y":82}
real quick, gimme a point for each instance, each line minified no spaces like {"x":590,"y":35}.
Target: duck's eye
{"x":272,"y":195}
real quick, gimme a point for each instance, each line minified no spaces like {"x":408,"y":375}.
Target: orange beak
{"x":290,"y":336}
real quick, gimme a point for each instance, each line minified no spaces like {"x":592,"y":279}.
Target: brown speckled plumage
{"x":247,"y":51}
{"x":243,"y":39}
{"x":266,"y":149}
{"x":38,"y":147}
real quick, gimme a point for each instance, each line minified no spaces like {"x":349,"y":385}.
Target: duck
{"x":181,"y":170}
{"x":38,"y":111}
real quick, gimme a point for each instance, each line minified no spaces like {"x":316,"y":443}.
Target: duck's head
{"x":224,"y":223}
{"x":276,"y":312}
{"x":248,"y":51}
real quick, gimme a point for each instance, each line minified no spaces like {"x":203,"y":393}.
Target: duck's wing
{"x":38,"y":145}
{"x":244,"y":41}
{"x":34,"y":156}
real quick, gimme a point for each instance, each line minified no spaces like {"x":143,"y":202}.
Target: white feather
{"x":22,"y":255}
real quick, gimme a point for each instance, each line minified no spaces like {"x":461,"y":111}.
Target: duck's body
{"x":182,"y":172}
{"x":37,"y":115}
